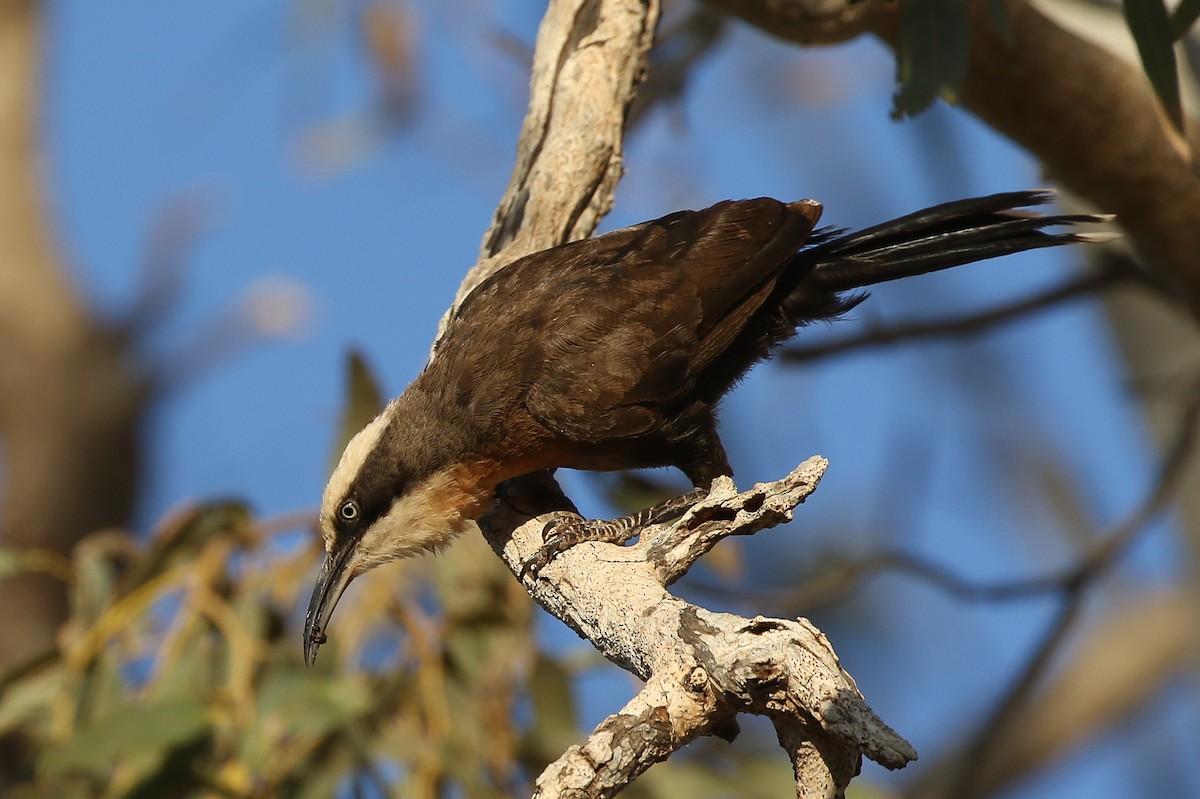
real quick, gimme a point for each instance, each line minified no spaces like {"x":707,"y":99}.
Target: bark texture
{"x":701,"y":668}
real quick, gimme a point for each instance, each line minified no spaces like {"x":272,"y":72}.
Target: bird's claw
{"x":560,"y":534}
{"x":563,"y":532}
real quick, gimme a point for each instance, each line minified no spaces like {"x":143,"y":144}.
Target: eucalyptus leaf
{"x":96,"y":576}
{"x":142,"y":734}
{"x":555,"y":720}
{"x":10,"y":562}
{"x":188,"y":669}
{"x":30,"y":699}
{"x":931,"y":53}
{"x":299,"y":706}
{"x":364,"y":401}
{"x":100,"y":690}
{"x":321,"y":777}
{"x":312,"y":703}
{"x":998,"y":13}
{"x":184,"y":535}
{"x":173,"y":775}
{"x":1150,"y":24}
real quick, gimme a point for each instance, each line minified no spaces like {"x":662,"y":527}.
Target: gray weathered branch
{"x":589,"y":58}
{"x":725,"y":512}
{"x":701,"y":668}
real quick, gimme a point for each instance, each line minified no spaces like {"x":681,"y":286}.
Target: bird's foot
{"x":559,"y":535}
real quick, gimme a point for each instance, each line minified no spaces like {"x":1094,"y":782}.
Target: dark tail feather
{"x":940,"y":237}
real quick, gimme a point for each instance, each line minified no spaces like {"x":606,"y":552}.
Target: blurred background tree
{"x":1005,"y":549}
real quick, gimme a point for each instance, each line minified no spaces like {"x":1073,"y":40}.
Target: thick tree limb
{"x":590,"y":56}
{"x":701,"y":668}
{"x":1113,"y":147}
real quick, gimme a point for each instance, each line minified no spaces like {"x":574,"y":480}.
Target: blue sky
{"x":222,"y":100}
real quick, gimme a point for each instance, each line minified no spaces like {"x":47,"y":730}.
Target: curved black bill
{"x":335,"y":575}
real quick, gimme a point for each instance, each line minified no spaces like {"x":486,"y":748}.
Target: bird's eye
{"x":348,"y":511}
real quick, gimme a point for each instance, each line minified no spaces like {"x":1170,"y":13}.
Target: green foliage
{"x":931,"y":53}
{"x":364,"y":401}
{"x":10,"y":562}
{"x":180,"y":674}
{"x":933,"y":45}
{"x":1150,"y":24}
{"x":141,"y":737}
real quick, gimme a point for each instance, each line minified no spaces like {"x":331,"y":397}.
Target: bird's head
{"x":390,"y":497}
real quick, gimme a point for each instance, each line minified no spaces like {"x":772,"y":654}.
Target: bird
{"x":614,"y":352}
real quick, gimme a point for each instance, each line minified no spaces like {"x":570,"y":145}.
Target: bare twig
{"x":723,"y":513}
{"x":1016,"y":698}
{"x":1074,"y":584}
{"x":964,"y":325}
{"x":819,"y":765}
{"x":844,"y":578}
{"x":676,"y":54}
{"x":974,"y":770}
{"x":1118,"y":668}
{"x":171,"y":237}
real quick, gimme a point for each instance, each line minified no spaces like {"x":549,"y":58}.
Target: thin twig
{"x":172,"y":237}
{"x":1074,"y":585}
{"x":847,"y":576}
{"x":1016,"y":698}
{"x":963,"y":325}
{"x":676,"y":53}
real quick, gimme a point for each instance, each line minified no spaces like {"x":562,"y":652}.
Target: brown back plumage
{"x":613,"y":352}
{"x":608,"y":339}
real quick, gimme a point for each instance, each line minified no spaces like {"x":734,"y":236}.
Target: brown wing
{"x":606,"y":337}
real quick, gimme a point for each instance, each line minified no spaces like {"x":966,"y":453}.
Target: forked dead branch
{"x":701,"y":668}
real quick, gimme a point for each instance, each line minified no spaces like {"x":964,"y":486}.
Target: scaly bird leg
{"x":559,"y":535}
